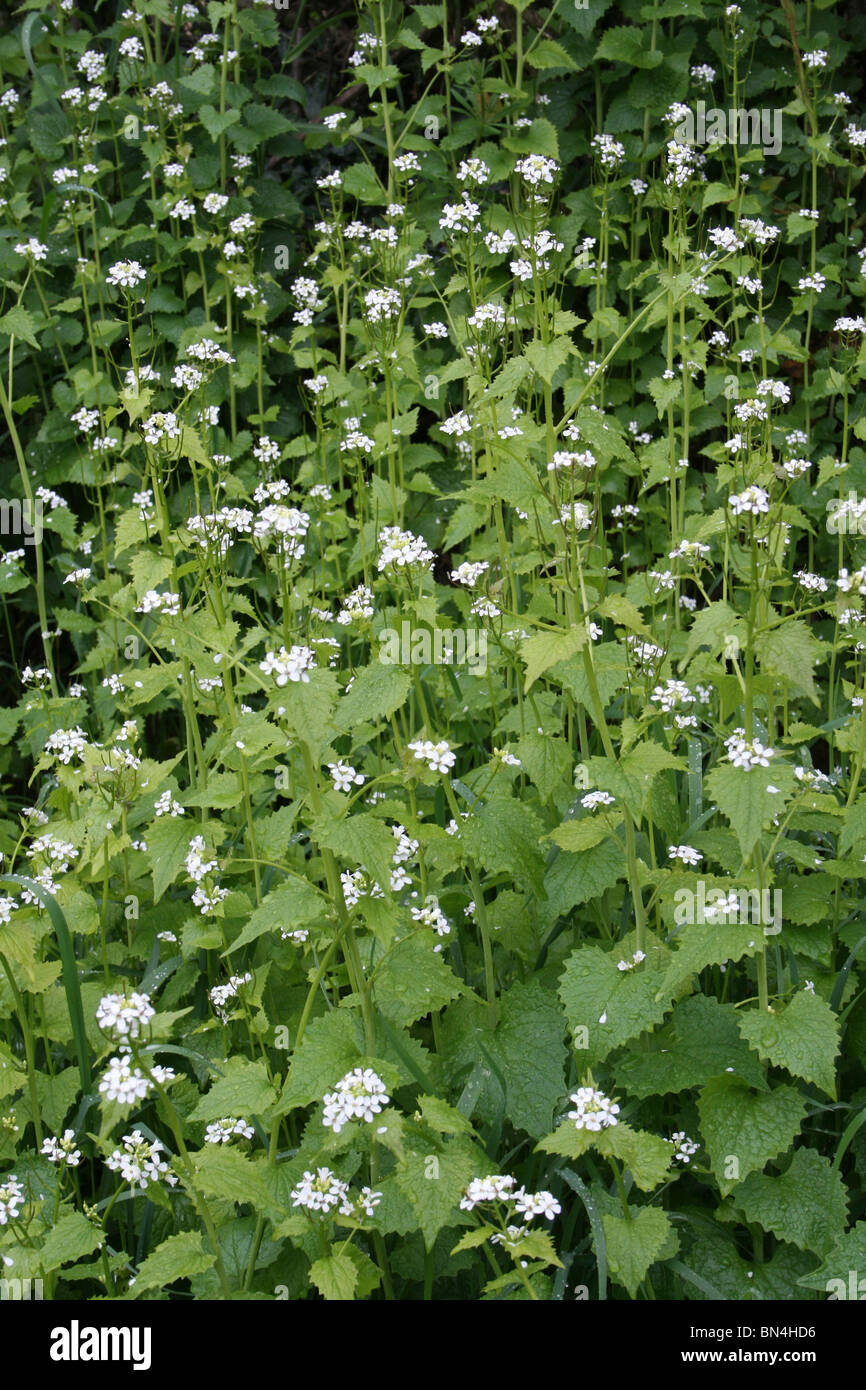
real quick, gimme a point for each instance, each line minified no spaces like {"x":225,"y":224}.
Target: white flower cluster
{"x":206,"y":896}
{"x":139,"y":1161}
{"x":610,"y":152}
{"x":293,"y":665}
{"x":576,"y":516}
{"x":431,"y":915}
{"x":324,"y":1192}
{"x":593,"y":1110}
{"x":223,"y":1131}
{"x":747,"y":753}
{"x":753,"y":501}
{"x":221,"y":994}
{"x":625,"y":965}
{"x":154,"y":602}
{"x":357,"y":606}
{"x":672,"y":694}
{"x":126,"y":274}
{"x":437,"y":756}
{"x":685,"y":854}
{"x":469,"y":572}
{"x":124,"y":1015}
{"x":382,"y":305}
{"x":684,"y":1146}
{"x":502,"y":1187}
{"x":11,"y":1199}
{"x":402,"y":548}
{"x":165,"y":805}
{"x":66,"y":744}
{"x":359,"y":1095}
{"x":62,"y":1150}
{"x":124,"y":1082}
{"x":344,"y":776}
{"x":537,"y":169}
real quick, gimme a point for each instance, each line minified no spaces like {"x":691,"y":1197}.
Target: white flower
{"x":66,"y":744}
{"x":223,"y":1131}
{"x":124,"y":1015}
{"x":496,"y":1188}
{"x":359,"y":1095}
{"x":382,"y":305}
{"x":221,"y":994}
{"x":139,"y":1161}
{"x":437,"y":756}
{"x":593,"y":1110}
{"x":62,"y":1150}
{"x":610,"y":152}
{"x":11,"y":1198}
{"x":684,"y":1146}
{"x":293,"y":665}
{"x":126,"y":274}
{"x":402,"y":548}
{"x":431,"y":914}
{"x":345,"y":777}
{"x":323,"y":1192}
{"x":531,"y":1204}
{"x":132,"y":49}
{"x":123,"y":1082}
{"x":537,"y":169}
{"x":593,"y":800}
{"x":747,"y":753}
{"x":754,"y":501}
{"x":685,"y":854}
{"x":36,"y":250}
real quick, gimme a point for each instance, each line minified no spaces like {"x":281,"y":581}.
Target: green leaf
{"x":504,"y":837}
{"x":528,"y":1045}
{"x":18,"y":323}
{"x":646,"y":1156}
{"x":664,"y":393}
{"x":290,"y":905}
{"x":802,"y":1036}
{"x":626,"y":43}
{"x":583,"y":834}
{"x":359,"y":839}
{"x":243,"y":1090}
{"x":749,"y":1127}
{"x":309,"y":708}
{"x":413,"y":981}
{"x":573,"y":879}
{"x":545,"y":649}
{"x":807,"y":1205}
{"x":547,"y":358}
{"x":546,"y":761}
{"x":168,"y":841}
{"x":72,"y":1238}
{"x":841,"y":1274}
{"x":749,"y":799}
{"x":546,"y":53}
{"x":789,"y":651}
{"x":377,"y":691}
{"x":606,"y":1006}
{"x":224,"y":1172}
{"x":179,"y":1257}
{"x":634,"y":1244}
{"x":434,"y":1188}
{"x":703,"y":944}
{"x":700,"y":1041}
{"x":335,"y":1276}
{"x":330,"y":1048}
{"x":216,"y":124}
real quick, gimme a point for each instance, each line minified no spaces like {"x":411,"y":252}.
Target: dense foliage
{"x":432,"y":730}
